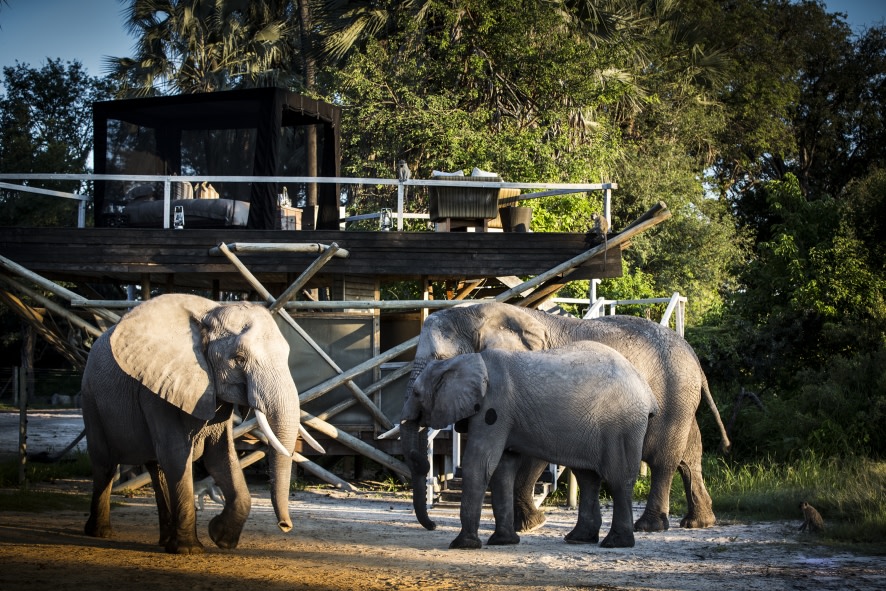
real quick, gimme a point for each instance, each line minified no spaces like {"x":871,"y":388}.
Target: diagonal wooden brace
{"x":376,"y":413}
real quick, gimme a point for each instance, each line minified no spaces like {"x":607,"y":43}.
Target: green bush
{"x":848,"y":492}
{"x":75,"y":465}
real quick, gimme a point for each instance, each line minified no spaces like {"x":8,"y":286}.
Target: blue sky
{"x":85,"y":30}
{"x":88,"y":30}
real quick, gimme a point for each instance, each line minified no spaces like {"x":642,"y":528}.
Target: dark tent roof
{"x":261,"y":113}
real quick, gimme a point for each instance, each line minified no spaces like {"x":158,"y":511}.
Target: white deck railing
{"x":546,"y":189}
{"x":597,"y":307}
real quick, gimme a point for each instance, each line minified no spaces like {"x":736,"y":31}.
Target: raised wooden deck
{"x":182,"y":257}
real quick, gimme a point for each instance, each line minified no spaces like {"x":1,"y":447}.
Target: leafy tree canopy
{"x":46,"y":127}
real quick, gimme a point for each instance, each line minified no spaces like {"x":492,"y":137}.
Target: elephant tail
{"x":706,"y":392}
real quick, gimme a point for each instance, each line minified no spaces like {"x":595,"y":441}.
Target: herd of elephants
{"x":531,"y":388}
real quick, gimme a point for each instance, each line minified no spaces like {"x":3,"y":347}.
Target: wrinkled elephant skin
{"x":591,"y":415}
{"x":159,"y":389}
{"x":663,"y":358}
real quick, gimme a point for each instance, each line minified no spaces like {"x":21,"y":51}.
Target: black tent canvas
{"x":250,"y":132}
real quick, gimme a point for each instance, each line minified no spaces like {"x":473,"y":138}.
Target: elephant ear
{"x":514,"y":329}
{"x":452,"y":389}
{"x":160,"y":344}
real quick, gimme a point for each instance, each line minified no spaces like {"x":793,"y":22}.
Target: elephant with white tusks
{"x":159,"y":389}
{"x":663,"y":358}
{"x":584,"y":406}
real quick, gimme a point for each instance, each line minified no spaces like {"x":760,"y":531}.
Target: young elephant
{"x":584,"y":406}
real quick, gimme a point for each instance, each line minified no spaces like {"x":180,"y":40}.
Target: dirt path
{"x":372,"y":542}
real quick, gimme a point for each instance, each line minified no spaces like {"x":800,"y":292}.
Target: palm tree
{"x":188,"y":46}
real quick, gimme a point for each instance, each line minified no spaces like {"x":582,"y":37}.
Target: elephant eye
{"x":240,"y":358}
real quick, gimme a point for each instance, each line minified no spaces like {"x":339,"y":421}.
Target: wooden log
{"x":655,"y":216}
{"x":55,"y":288}
{"x":345,"y":376}
{"x":303,"y":279}
{"x":271,"y":247}
{"x":264,"y":293}
{"x":52,"y":306}
{"x":355,"y":444}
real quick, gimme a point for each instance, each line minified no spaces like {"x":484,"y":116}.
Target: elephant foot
{"x":649,"y":522}
{"x":503,"y":539}
{"x":224,"y":537}
{"x":698,"y":520}
{"x":577,"y":537}
{"x":176,"y":547}
{"x":618,"y":540}
{"x":528,"y":520}
{"x":466,"y":542}
{"x":96,"y":531}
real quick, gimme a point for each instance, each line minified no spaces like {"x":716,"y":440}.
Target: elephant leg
{"x":479,"y":462}
{"x":503,"y":501}
{"x":655,"y":515}
{"x":699,"y":507}
{"x":177,"y":468}
{"x":161,"y":494}
{"x":527,"y":516}
{"x":621,"y":534}
{"x":220,"y":459}
{"x":99,"y":523}
{"x":587,"y":528}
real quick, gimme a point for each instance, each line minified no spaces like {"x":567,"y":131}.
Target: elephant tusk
{"x":272,"y":439}
{"x":310,"y":440}
{"x":393,"y":432}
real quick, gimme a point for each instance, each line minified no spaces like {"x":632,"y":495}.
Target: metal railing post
{"x":167,"y":207}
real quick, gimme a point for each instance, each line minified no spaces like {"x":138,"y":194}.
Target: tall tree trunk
{"x":309,"y":66}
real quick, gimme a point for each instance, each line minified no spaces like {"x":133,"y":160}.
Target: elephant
{"x":583,"y":406}
{"x":664,"y":359}
{"x":159,"y":388}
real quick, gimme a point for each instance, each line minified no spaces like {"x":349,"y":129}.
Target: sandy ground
{"x":371,"y":541}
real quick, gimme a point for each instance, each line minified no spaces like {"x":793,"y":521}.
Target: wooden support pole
{"x":303,"y":279}
{"x":21,"y":388}
{"x":376,"y":413}
{"x":267,"y":247}
{"x":55,"y":288}
{"x":146,"y":287}
{"x":659,"y":213}
{"x":355,"y":444}
{"x":346,"y":404}
{"x":52,"y":306}
{"x":247,"y":460}
{"x":345,"y":376}
{"x":36,"y":320}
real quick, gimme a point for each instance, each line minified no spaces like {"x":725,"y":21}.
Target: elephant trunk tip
{"x":285,"y":526}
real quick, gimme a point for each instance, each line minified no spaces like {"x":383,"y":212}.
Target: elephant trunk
{"x":281,"y":474}
{"x":280,"y":426}
{"x":415,"y":445}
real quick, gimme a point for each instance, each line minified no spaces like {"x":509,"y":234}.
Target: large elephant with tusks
{"x":160,"y":388}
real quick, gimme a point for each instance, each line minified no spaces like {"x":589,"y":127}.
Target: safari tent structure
{"x":253,"y":132}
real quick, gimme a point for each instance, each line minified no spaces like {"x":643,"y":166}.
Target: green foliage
{"x":807,"y":333}
{"x":46,"y":126}
{"x":461,"y":94}
{"x":205,"y":46}
{"x":848,"y":492}
{"x":73,"y":465}
{"x":41,"y":500}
